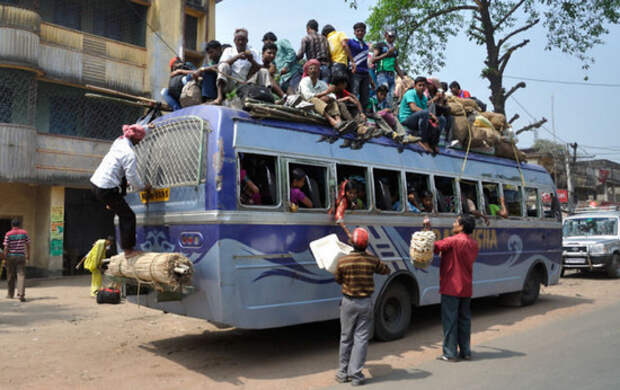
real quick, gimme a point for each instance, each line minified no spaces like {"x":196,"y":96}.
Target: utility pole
{"x":569,"y":181}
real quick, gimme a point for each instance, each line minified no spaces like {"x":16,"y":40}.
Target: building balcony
{"x":72,"y":56}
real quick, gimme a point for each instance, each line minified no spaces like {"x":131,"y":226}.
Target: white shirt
{"x":241,"y":67}
{"x":118,"y":162}
{"x":307,"y":90}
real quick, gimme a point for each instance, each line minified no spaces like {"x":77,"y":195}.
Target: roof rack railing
{"x":589,"y":209}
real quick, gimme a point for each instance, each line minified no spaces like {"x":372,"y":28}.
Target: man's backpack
{"x":256,"y":92}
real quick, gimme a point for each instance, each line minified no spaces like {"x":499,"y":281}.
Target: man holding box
{"x":355,"y":274}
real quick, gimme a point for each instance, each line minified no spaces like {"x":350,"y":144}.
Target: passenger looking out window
{"x":469,"y":200}
{"x":446,"y":200}
{"x":427,"y":202}
{"x":418,"y":193}
{"x":257,"y":180}
{"x":250,"y":193}
{"x":297,"y":196}
{"x":387,"y":189}
{"x":495,"y":205}
{"x":412,"y":202}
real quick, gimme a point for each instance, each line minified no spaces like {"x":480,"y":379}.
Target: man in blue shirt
{"x":415,"y":116}
{"x":360,"y":80}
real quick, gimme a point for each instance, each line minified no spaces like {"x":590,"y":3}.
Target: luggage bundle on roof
{"x":484,"y":132}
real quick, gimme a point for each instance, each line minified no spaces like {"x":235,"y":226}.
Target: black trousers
{"x":127,"y":219}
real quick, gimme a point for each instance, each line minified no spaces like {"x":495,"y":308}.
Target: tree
{"x":552,"y":155}
{"x":425,"y":26}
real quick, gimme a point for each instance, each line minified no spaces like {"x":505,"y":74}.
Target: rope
{"x":514,"y":149}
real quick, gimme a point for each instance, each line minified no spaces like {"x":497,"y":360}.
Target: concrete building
{"x":53,"y":131}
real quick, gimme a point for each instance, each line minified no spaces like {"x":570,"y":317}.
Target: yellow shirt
{"x":336,"y":49}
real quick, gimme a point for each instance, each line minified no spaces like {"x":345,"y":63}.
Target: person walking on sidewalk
{"x":109,"y":186}
{"x":17,"y":254}
{"x":458,"y":253}
{"x":355,"y":274}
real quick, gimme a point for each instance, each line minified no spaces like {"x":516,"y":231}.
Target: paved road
{"x":576,"y":352}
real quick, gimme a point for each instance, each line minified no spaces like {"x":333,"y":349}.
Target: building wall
{"x":20,"y":200}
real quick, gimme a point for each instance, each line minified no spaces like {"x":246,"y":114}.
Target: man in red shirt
{"x":458,"y":253}
{"x":17,"y":254}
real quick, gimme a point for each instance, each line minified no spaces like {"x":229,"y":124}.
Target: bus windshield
{"x":590,"y":227}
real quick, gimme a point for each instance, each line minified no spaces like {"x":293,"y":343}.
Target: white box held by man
{"x":328,"y":250}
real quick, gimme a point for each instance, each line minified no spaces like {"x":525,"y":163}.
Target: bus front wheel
{"x":393,"y":313}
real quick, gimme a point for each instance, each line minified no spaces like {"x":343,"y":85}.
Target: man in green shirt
{"x":286,"y":64}
{"x":414,"y":115}
{"x":385,"y":60}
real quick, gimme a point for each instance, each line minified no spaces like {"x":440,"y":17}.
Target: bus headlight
{"x":598,"y":249}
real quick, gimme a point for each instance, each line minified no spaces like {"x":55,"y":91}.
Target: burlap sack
{"x":478,"y":137}
{"x":505,"y":149}
{"x":498,"y":120}
{"x":468,"y":104}
{"x":456,"y":109}
{"x":460,"y":128}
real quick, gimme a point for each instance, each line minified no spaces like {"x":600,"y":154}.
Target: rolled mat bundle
{"x":169,"y":269}
{"x":421,"y":248}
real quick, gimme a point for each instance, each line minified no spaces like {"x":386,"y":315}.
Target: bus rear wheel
{"x":393,"y":313}
{"x":529,"y":294}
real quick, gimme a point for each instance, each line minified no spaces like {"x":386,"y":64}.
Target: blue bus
{"x":252,"y":265}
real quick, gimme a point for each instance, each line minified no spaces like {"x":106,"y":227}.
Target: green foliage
{"x":557,"y":150}
{"x":424,"y":27}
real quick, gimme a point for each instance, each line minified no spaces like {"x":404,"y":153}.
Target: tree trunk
{"x":491,"y":72}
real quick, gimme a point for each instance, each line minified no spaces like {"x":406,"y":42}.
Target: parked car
{"x":591,"y":241}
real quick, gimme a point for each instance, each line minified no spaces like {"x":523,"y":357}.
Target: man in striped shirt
{"x":355,"y":274}
{"x":17,"y":254}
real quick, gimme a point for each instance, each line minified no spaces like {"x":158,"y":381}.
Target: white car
{"x":590,"y":241}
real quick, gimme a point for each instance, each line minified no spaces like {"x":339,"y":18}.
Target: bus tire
{"x":528,"y":295}
{"x":392,"y":313}
{"x":613,"y":268}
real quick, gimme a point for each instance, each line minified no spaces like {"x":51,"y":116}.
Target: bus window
{"x":357,"y":177}
{"x":492,"y":201}
{"x":512,"y":197}
{"x":308,"y":185}
{"x":531,"y":202}
{"x":551,"y":206}
{"x":419,"y":195}
{"x":387,"y":190}
{"x":469,"y":196}
{"x":257,"y":178}
{"x":446,"y":194}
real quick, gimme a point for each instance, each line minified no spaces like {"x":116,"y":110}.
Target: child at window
{"x":298,"y":180}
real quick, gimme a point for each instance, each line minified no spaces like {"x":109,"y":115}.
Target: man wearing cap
{"x":385,"y":60}
{"x":108,"y":182}
{"x":355,"y":274}
{"x":236,"y":63}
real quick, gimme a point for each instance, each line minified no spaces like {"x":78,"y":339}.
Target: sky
{"x":582,"y":114}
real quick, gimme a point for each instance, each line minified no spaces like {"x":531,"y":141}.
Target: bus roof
{"x":218,"y":115}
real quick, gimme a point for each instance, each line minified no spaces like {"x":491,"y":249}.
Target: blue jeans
{"x":172,"y":102}
{"x":326,"y":73}
{"x":456,"y":322}
{"x":361,"y":87}
{"x":387,"y":78}
{"x":418,"y":123}
{"x":209,"y":87}
{"x":290,"y":86}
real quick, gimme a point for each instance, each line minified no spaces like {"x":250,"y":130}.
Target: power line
{"x":130,"y":4}
{"x":583,"y":83}
{"x":533,"y":118}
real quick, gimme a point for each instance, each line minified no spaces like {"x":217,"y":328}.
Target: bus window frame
{"x":286,"y":193}
{"x":500,"y":195}
{"x":519,"y":186}
{"x":400,"y":190}
{"x":241,"y":206}
{"x":429,"y":186}
{"x":370,"y":194}
{"x":455,"y":189}
{"x":480,"y":204}
{"x":538,"y":202}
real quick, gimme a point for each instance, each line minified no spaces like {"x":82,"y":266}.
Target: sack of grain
{"x":468,"y":105}
{"x":498,"y":120}
{"x":456,"y":109}
{"x":478,"y":137}
{"x":506,"y":150}
{"x":460,"y":128}
{"x":421,"y":248}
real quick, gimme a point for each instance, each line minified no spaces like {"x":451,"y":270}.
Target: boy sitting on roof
{"x":322,"y":96}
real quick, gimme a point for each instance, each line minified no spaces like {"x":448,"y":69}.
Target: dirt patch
{"x":61,"y":339}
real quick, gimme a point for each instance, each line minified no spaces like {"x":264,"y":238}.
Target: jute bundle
{"x":469,"y":105}
{"x":421,"y":248}
{"x":506,"y":149}
{"x":456,"y":109}
{"x":170,"y":269}
{"x":498,"y":120}
{"x":460,"y":129}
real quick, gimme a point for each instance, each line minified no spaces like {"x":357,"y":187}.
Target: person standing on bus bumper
{"x":458,"y":253}
{"x":355,"y":274}
{"x":119,"y":163}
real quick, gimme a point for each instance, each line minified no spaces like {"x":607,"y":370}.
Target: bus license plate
{"x":575,"y":260}
{"x":158,"y":195}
